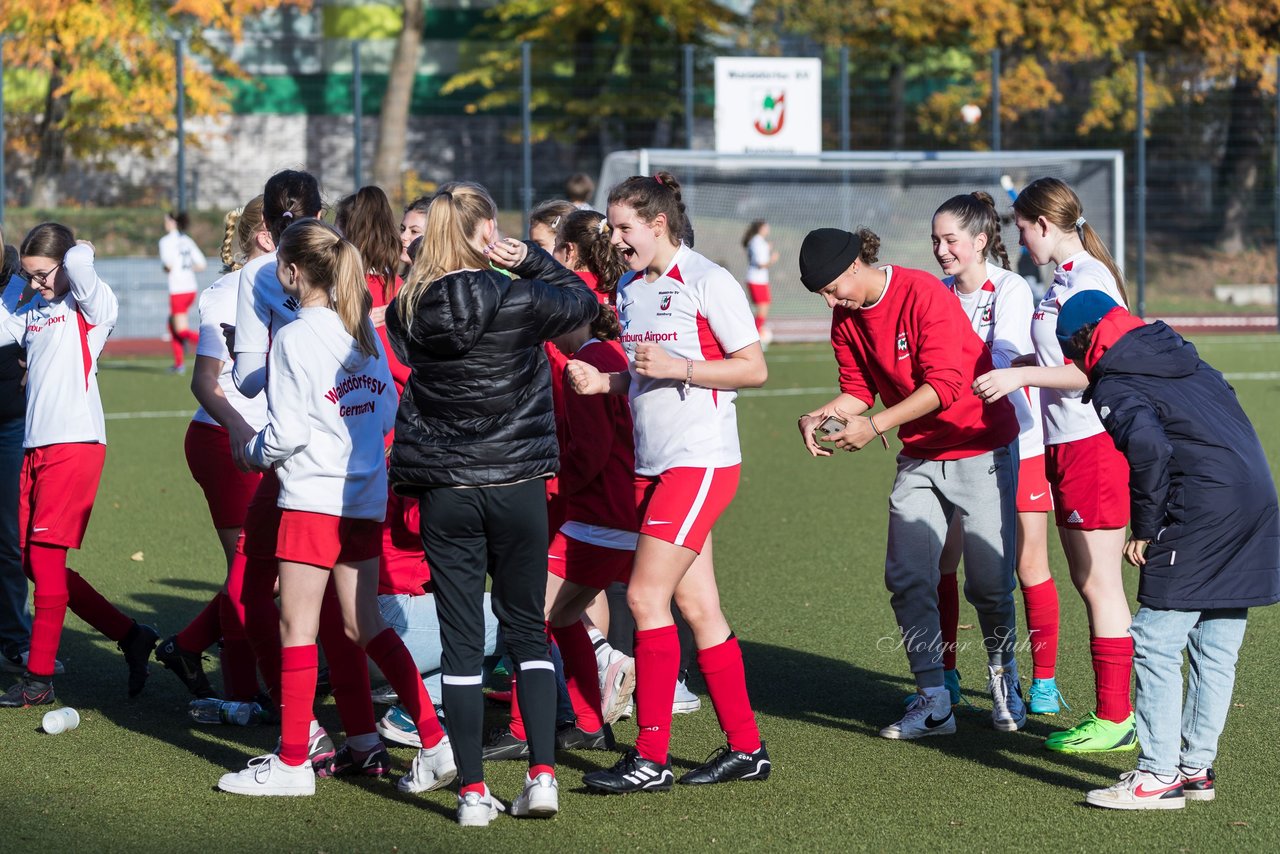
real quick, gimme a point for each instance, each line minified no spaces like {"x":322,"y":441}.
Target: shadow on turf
{"x":836,"y":694}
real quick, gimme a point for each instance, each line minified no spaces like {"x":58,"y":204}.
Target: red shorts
{"x":262,"y":520}
{"x":1090,"y":481}
{"x":681,"y":505}
{"x":56,"y":492}
{"x":1033,"y":487}
{"x":227,"y":490}
{"x":322,"y":540}
{"x":588,"y":564}
{"x":181,"y":303}
{"x":759,"y":293}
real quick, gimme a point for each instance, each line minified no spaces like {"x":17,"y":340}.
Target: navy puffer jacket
{"x":477,"y":409}
{"x":1200,"y":483}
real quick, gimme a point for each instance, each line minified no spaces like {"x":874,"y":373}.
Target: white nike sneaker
{"x":928,"y":714}
{"x":1008,"y":711}
{"x":433,"y":768}
{"x":617,"y":684}
{"x":1140,"y":790}
{"x":540,"y":798}
{"x":268,"y":775}
{"x":685,"y":701}
{"x":477,"y":810}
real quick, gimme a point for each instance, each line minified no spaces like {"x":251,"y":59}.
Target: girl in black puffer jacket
{"x":475,"y":437}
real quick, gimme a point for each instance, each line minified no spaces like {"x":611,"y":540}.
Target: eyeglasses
{"x":39,"y":278}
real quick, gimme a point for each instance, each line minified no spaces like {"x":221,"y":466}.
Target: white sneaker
{"x":928,"y":714}
{"x":433,"y":768}
{"x":617,"y":684}
{"x":268,"y":775}
{"x":1140,"y":790}
{"x":477,"y":810}
{"x":540,"y":798}
{"x":686,"y":702}
{"x":1008,"y":711}
{"x":18,"y":664}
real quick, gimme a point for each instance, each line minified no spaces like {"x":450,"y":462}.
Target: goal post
{"x":892,"y":193}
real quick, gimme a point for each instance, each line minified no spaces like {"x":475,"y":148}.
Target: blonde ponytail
{"x":1053,"y":199}
{"x":350,"y":295}
{"x":228,"y":253}
{"x":454,"y":216}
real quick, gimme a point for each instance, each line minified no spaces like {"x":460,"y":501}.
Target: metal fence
{"x":1201,"y":150}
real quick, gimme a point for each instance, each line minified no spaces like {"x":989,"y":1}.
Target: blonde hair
{"x":454,"y":215}
{"x":240,"y":226}
{"x":1054,"y":200}
{"x":334,"y":264}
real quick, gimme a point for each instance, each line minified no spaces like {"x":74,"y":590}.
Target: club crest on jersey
{"x":988,"y":314}
{"x":902,"y":346}
{"x":665,"y":304}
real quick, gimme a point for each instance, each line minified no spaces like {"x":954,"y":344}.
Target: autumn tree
{"x":612,"y":69}
{"x":99,"y":75}
{"x":393,"y":121}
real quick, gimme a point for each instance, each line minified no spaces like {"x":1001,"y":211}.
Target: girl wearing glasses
{"x":65,"y":443}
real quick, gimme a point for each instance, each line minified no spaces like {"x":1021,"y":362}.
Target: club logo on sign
{"x":771,"y":111}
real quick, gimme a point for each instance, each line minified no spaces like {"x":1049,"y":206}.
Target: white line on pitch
{"x":129,"y":416}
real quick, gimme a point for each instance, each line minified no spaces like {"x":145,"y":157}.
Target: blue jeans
{"x":15,"y":619}
{"x":414,"y":619}
{"x":1171,"y":731}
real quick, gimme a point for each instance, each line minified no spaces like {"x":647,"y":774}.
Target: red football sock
{"x":516,"y":727}
{"x":92,"y":607}
{"x":479,"y":788}
{"x":1041,"y":604}
{"x":348,"y":669}
{"x":239,"y":676}
{"x":759,"y":324}
{"x":657,"y":669}
{"x":262,"y":619}
{"x":298,"y":665}
{"x":535,"y":770}
{"x":203,"y":631}
{"x":581,"y":675}
{"x":1112,"y":670}
{"x":175,"y":345}
{"x":949,"y":618}
{"x":721,"y":667}
{"x":395,"y":662}
{"x":46,"y":566}
{"x":190,"y":336}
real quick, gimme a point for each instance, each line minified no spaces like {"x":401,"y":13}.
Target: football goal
{"x":893,"y":193}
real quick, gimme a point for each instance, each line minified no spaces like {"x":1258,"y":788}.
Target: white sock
{"x":315,"y":726}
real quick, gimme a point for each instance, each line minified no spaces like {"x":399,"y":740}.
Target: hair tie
{"x":603,"y":226}
{"x":658,"y":178}
{"x":287,"y":215}
{"x":1080,"y":223}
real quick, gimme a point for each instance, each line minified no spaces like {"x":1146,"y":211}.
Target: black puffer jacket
{"x":477,"y":409}
{"x":13,"y":400}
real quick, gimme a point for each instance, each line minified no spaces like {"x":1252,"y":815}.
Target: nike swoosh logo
{"x":1036,"y":496}
{"x":38,"y":530}
{"x":1144,"y":792}
{"x":931,"y":722}
{"x":654,"y":522}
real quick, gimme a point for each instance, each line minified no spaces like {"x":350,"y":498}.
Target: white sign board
{"x":768,"y":104}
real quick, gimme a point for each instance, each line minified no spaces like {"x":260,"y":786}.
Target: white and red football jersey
{"x":1000,"y":312}
{"x":218,"y":306}
{"x":695,"y":310}
{"x":1066,"y":416}
{"x":262,"y":307}
{"x":63,"y":339}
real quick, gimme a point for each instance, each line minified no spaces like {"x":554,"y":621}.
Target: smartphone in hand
{"x":829,"y":426}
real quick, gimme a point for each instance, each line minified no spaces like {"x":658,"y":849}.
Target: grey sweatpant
{"x":926,"y":495}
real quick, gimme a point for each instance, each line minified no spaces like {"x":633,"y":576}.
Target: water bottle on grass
{"x":215,"y":711}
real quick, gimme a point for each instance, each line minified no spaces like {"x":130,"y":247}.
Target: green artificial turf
{"x":799,"y":557}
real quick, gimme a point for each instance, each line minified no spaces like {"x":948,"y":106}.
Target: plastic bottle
{"x":215,"y":711}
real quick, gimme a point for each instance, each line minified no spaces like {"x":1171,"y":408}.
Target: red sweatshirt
{"x":917,"y":333}
{"x":597,"y":453}
{"x":399,"y":370}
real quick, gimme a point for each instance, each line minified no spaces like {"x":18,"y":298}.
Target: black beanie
{"x":825,"y":254}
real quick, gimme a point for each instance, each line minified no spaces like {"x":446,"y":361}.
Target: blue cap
{"x":1082,"y":309}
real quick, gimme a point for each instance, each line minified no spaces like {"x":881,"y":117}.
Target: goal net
{"x":892,"y":193}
